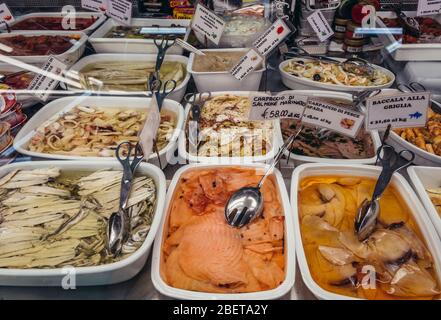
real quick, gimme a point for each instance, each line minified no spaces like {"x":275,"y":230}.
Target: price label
{"x":150,"y":128}
{"x":120,"y":10}
{"x":320,"y":25}
{"x":333,"y":117}
{"x":272,"y":37}
{"x":398,"y":110}
{"x":41,"y":83}
{"x":246,"y":64}
{"x":95,"y":5}
{"x":428,"y":7}
{"x":5,"y":14}
{"x":267,"y":107}
{"x":208,"y":23}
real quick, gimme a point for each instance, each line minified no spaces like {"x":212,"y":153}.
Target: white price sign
{"x":398,"y":110}
{"x":272,"y":37}
{"x":428,"y":7}
{"x":246,"y":64}
{"x":5,"y":14}
{"x":42,"y":83}
{"x":208,"y":23}
{"x":120,"y":10}
{"x":320,"y":25}
{"x":95,"y":5}
{"x":150,"y":128}
{"x":266,"y":107}
{"x":333,"y":117}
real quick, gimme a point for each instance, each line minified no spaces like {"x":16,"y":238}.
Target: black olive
{"x":317,"y":77}
{"x":300,"y":62}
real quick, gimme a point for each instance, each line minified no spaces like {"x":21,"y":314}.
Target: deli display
{"x":118,"y":131}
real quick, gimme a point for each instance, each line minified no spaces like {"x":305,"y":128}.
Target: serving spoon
{"x":246,"y":204}
{"x":369,"y":210}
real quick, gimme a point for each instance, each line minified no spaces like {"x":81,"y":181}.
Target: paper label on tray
{"x":320,"y":25}
{"x":272,"y":37}
{"x":209,"y":24}
{"x":150,"y":128}
{"x":5,"y":14}
{"x":94,"y":5}
{"x":428,"y":7}
{"x":333,"y":117}
{"x":399,"y":110}
{"x":41,"y":83}
{"x":120,"y":10}
{"x":250,"y":61}
{"x":282,"y":106}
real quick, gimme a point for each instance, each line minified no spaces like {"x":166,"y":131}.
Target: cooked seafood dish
{"x":38,"y":45}
{"x":244,"y":25}
{"x":51,"y":219}
{"x":147,"y":32}
{"x":333,"y":73}
{"x":97,"y":132}
{"x":52,"y":23}
{"x":331,"y":145}
{"x":17,"y":81}
{"x":428,"y":138}
{"x":128,"y":75}
{"x":430,"y":30}
{"x":392,"y":263}
{"x":225,"y":130}
{"x":217,"y":61}
{"x":201,"y":252}
{"x":435,"y":197}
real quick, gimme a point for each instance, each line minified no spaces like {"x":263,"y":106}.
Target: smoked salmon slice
{"x":201,"y":252}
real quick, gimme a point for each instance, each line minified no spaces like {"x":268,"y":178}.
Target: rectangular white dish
{"x":184,"y":154}
{"x":176,"y":95}
{"x":290,"y":262}
{"x":423,"y":178}
{"x":405,"y":190}
{"x":408,"y":52}
{"x":60,"y":106}
{"x":69,"y":57}
{"x":299,"y":159}
{"x":98,"y":275}
{"x":100,"y":18}
{"x":113,"y":45}
{"x":223,"y":80}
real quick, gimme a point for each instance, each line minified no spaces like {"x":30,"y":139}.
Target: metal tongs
{"x":418,"y":87}
{"x":167,"y":87}
{"x":119,"y":224}
{"x":196,"y":101}
{"x":354,"y":64}
{"x":162,"y":47}
{"x":368,"y":212}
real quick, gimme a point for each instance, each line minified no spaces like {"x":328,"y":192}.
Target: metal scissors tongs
{"x":418,"y":87}
{"x":196,"y":101}
{"x":119,"y":224}
{"x":167,"y":87}
{"x":359,"y":97}
{"x":162,"y":47}
{"x":368,"y":212}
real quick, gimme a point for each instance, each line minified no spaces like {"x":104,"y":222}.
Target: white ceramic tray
{"x":298,"y":83}
{"x":223,"y":80}
{"x":100,"y":18}
{"x":60,"y":106}
{"x":184,"y":154}
{"x":299,"y":159}
{"x":402,"y":186}
{"x":422,"y":178}
{"x":114,"y":45}
{"x":176,"y":95}
{"x":90,"y":276}
{"x":69,"y":57}
{"x":290,"y":262}
{"x":408,"y":52}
